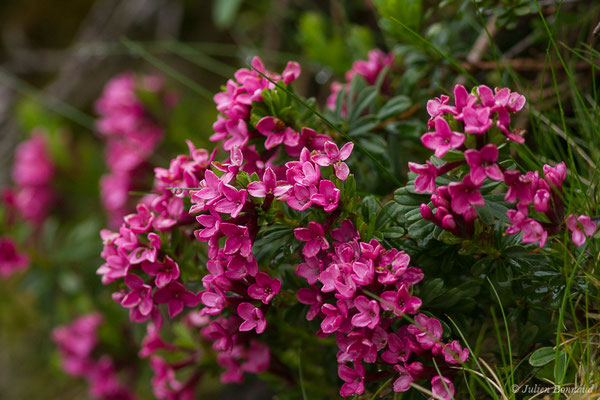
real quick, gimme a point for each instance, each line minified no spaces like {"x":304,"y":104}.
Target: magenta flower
{"x":517,"y":218}
{"x":328,"y":196}
{"x":354,"y":379}
{"x":258,"y":356}
{"x":465,"y":194}
{"x":164,"y":272}
{"x":401,"y":302}
{"x":477,"y":120}
{"x":210,"y":190}
{"x":291,"y":72}
{"x":277,"y":132}
{"x":368,"y":314}
{"x":253,"y":318}
{"x":398,"y":349}
{"x":555,"y":175}
{"x":483,"y":163}
{"x":239,"y":267}
{"x":581,"y":227}
{"x":454,"y":353}
{"x":11,"y":259}
{"x":442,"y":387}
{"x":427,"y":331}
{"x":267,"y":186}
{"x":408,"y":374}
{"x":437,"y":107}
{"x":462,"y":100}
{"x":392,"y":265}
{"x":301,"y":197}
{"x":336,"y":157}
{"x":33,"y":165}
{"x":313,"y":298}
{"x":520,"y":187}
{"x":334,"y":316}
{"x":238,"y":134}
{"x":233,"y":202}
{"x":139,"y":299}
{"x":238,"y":239}
{"x":541,"y":200}
{"x":443,"y":139}
{"x":425,"y":181}
{"x":310,"y":270}
{"x":141,"y":221}
{"x":265,"y":288}
{"x":214,"y":302}
{"x":533,"y":232}
{"x":314,"y":236}
{"x":176,"y":297}
{"x":211,"y":223}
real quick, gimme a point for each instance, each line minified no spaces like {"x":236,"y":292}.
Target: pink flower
{"x":33,"y":165}
{"x":259,"y":358}
{"x":401,"y":302}
{"x":477,"y":120}
{"x":313,"y":298}
{"x":398,"y":349}
{"x":328,"y":196}
{"x":354,"y":379}
{"x":277,"y":132}
{"x":291,"y":72}
{"x":368,"y":314}
{"x":214,"y":301}
{"x":483,"y":163}
{"x":437,"y":107}
{"x":334,"y":316}
{"x":301,"y":197}
{"x":443,"y":139}
{"x":442,"y":387}
{"x":371,"y":68}
{"x":427,"y":331}
{"x":517,"y":218}
{"x":521,"y":187}
{"x":141,"y":221}
{"x":462,"y":100}
{"x":253,"y":318}
{"x":534,"y":232}
{"x":336,"y":157}
{"x":152,"y":342}
{"x":408,"y":374}
{"x":76,"y":342}
{"x":314,"y":236}
{"x":139,"y":299}
{"x":238,"y":134}
{"x":265,"y":288}
{"x":176,"y":297}
{"x":465,"y":194}
{"x":267,"y":186}
{"x":233,"y":202}
{"x":212,"y":225}
{"x":310,"y":270}
{"x":238,"y":239}
{"x":11,"y":259}
{"x":541,"y":200}
{"x":454,"y":353}
{"x":555,"y":175}
{"x":164,"y":272}
{"x":581,"y":227}
{"x":425,"y":181}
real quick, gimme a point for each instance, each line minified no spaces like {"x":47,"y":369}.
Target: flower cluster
{"x":32,"y":174}
{"x":76,"y":343}
{"x":11,"y":260}
{"x":368,"y":69}
{"x":475,"y":125}
{"x":361,"y":292}
{"x":132,"y":134}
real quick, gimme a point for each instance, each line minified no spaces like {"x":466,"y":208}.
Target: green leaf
{"x":394,"y":106}
{"x":542,"y":356}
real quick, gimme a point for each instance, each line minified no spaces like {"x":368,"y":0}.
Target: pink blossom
{"x":427,"y":331}
{"x":176,"y":297}
{"x":392,"y":264}
{"x":517,"y":218}
{"x":462,"y":100}
{"x":11,"y":260}
{"x":301,"y":197}
{"x":139,"y":299}
{"x":33,"y":165}
{"x":267,"y":186}
{"x":291,"y":72}
{"x":334,"y":316}
{"x":443,"y":139}
{"x":555,"y":175}
{"x":265,"y":288}
{"x":152,"y":342}
{"x":215,"y":302}
{"x":368,"y":314}
{"x":211,"y":223}
{"x":253,"y":318}
{"x":454,"y":353}
{"x":541,"y":200}
{"x":483,"y":163}
{"x":398,"y":349}
{"x":437,"y":107}
{"x":141,"y":221}
{"x":520,"y":187}
{"x":238,"y":134}
{"x":371,"y":68}
{"x":314,"y":236}
{"x":534,"y":232}
{"x":442,"y":387}
{"x":465,"y":195}
{"x":241,"y":266}
{"x":238,"y":239}
{"x":408,"y":374}
{"x":401,"y":302}
{"x":233,"y":202}
{"x":354,"y":379}
{"x":164,"y":272}
{"x":277,"y":132}
{"x":425,"y":181}
{"x":336,"y":157}
{"x":477,"y":119}
{"x":313,"y":298}
{"x":327,"y":197}
{"x":310,"y":270}
{"x":581,"y":227}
